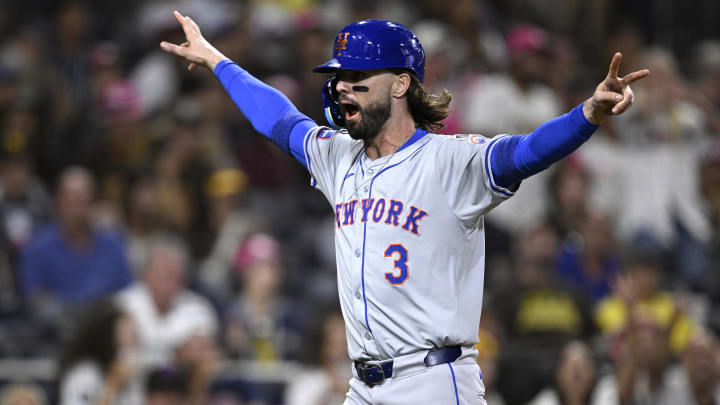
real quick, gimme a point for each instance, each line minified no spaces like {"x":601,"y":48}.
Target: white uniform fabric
{"x":413,"y":383}
{"x":410,"y":253}
{"x":409,"y":238}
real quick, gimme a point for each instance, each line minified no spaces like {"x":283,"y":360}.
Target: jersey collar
{"x":416,"y":136}
{"x":419,"y":133}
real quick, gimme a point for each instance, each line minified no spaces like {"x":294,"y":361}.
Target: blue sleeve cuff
{"x":282,"y":129}
{"x":584,"y":128}
{"x":289,"y":133}
{"x":220,"y":66}
{"x":505,"y":173}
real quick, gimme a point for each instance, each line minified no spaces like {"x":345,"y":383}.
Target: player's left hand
{"x":613,"y":96}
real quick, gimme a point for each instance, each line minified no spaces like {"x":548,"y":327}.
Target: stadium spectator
{"x":199,"y":359}
{"x":706,"y":91}
{"x":575,"y":379}
{"x":71,"y":260}
{"x":141,"y":222}
{"x":588,"y":259}
{"x":182,"y":168}
{"x":121,"y":148}
{"x":638,"y":294}
{"x":24,"y":204}
{"x":100,"y":363}
{"x":262,"y":325}
{"x":642,"y":357}
{"x":323,"y":380}
{"x":24,"y":208}
{"x":166,"y":386}
{"x":697,"y":376}
{"x":698,"y":248}
{"x":540,"y":313}
{"x":22,"y":393}
{"x":167,"y":314}
{"x":569,"y":188}
{"x":229,"y":225}
{"x":527,"y":101}
{"x":70,"y":82}
{"x":670,"y":116}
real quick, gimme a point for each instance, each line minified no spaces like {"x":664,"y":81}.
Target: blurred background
{"x":155,"y":250}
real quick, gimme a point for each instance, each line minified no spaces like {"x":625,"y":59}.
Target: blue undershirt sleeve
{"x":518,"y":157}
{"x":268,"y":110}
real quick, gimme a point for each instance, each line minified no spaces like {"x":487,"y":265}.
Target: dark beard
{"x":374,"y":116}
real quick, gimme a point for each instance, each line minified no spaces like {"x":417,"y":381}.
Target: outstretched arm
{"x":517,"y":157}
{"x":269,"y":111}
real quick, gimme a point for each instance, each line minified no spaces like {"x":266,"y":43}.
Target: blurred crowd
{"x":155,"y":250}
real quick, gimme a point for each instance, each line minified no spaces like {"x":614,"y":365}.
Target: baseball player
{"x":408,"y":203}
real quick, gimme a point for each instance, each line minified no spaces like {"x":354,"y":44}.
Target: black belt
{"x":374,"y":374}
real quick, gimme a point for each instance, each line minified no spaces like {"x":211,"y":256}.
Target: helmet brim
{"x":328,"y":67}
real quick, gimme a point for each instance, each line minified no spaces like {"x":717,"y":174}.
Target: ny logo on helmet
{"x":341,"y":42}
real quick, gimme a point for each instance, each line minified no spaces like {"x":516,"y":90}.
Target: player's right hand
{"x":196,"y":49}
{"x":613,"y":95}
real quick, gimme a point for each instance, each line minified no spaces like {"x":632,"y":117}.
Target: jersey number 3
{"x":400,"y":264}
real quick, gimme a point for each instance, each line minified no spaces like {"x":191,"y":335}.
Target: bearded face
{"x":368,"y":120}
{"x":365,"y":122}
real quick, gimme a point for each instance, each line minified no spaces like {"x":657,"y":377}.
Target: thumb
{"x":173,"y":49}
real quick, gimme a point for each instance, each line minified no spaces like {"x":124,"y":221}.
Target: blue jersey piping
{"x":457,"y":397}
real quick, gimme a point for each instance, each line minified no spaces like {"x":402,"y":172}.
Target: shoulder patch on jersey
{"x":325,"y":134}
{"x":476,"y":139}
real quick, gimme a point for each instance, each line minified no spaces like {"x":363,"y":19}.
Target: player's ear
{"x":401,"y":84}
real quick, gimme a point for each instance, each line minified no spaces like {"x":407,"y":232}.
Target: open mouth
{"x":351,"y":111}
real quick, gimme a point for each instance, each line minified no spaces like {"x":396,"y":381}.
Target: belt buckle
{"x":372,"y":372}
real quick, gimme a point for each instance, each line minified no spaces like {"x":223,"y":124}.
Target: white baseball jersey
{"x":409,"y":237}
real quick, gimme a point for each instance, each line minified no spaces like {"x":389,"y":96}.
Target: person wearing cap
{"x":409,"y":204}
{"x":261,"y":324}
{"x":527,"y":99}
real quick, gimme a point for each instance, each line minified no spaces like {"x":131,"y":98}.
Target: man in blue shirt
{"x":70,"y":260}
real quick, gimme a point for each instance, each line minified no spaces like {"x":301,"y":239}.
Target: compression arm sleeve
{"x":268,"y":110}
{"x":517,"y":157}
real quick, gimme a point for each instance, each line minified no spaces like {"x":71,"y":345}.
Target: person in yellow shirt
{"x":637,"y":294}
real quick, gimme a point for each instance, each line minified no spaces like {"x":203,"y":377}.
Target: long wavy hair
{"x":427,"y":109}
{"x":93,"y":338}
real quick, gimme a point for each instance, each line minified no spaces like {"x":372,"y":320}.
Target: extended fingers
{"x":615,"y":65}
{"x":187,"y":23}
{"x":634,"y":76}
{"x":182,"y":20}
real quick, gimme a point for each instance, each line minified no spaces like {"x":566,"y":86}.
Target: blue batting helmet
{"x":370,"y":45}
{"x":376,"y":44}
